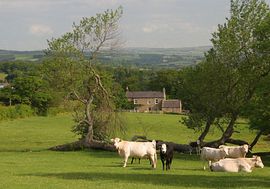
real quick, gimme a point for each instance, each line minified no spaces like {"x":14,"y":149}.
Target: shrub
{"x":14,"y":112}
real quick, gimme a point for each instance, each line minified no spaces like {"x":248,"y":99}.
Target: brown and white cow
{"x":128,"y":149}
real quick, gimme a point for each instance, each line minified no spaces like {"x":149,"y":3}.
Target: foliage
{"x":71,"y":70}
{"x":258,"y":110}
{"x":19,"y":68}
{"x":29,"y":90}
{"x":14,"y":112}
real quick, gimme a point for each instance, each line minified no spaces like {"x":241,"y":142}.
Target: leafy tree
{"x":70,"y":69}
{"x":258,"y":111}
{"x":33,"y":91}
{"x":239,"y":62}
{"x":168,"y":79}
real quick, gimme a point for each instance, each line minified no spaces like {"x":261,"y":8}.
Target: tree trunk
{"x":226,"y":135}
{"x":206,"y":130}
{"x":89,"y":120}
{"x":259,"y":134}
{"x":229,"y":130}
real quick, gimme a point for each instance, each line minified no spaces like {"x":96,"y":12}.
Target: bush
{"x":14,"y":112}
{"x":23,"y":110}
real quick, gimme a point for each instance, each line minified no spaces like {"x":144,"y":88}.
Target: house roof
{"x":144,"y":94}
{"x":171,"y":104}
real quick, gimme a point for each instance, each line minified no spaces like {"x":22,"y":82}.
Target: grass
{"x":25,"y":163}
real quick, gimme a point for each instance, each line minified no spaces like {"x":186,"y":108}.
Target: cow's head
{"x":163,"y":148}
{"x":258,"y":161}
{"x":245,"y":148}
{"x":116,"y":142}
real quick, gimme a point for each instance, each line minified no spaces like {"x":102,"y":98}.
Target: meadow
{"x":26,"y":163}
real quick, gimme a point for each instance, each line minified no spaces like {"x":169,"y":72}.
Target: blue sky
{"x":27,"y":24}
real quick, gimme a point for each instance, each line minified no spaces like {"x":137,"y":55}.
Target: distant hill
{"x":132,"y":57}
{"x":10,"y":55}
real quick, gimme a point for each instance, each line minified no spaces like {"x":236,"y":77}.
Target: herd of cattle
{"x":224,"y":159}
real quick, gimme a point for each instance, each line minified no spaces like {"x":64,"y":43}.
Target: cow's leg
{"x":152,"y":158}
{"x":162,"y":164}
{"x":132,"y":160}
{"x":204,"y":168}
{"x":125,"y":161}
{"x":170,"y":162}
{"x":156,"y":158}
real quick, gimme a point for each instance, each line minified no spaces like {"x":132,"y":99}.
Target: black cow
{"x":166,"y":155}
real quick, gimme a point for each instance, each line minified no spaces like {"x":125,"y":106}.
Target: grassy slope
{"x":25,"y":162}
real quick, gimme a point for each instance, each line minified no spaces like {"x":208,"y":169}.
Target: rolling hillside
{"x":131,"y":57}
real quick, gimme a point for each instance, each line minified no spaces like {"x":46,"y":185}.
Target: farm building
{"x":150,"y":101}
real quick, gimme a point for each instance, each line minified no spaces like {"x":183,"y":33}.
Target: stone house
{"x":151,"y":101}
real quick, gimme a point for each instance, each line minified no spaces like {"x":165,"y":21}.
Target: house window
{"x":149,"y":102}
{"x":135,"y":101}
{"x":156,"y":101}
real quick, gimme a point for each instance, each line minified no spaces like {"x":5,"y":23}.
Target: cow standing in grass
{"x":128,"y":149}
{"x":166,"y":155}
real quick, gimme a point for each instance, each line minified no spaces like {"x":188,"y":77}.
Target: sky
{"x":28,"y":24}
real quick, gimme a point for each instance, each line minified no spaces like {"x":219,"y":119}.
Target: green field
{"x":26,"y":163}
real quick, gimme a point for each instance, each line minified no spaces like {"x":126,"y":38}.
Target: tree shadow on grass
{"x":215,"y":180}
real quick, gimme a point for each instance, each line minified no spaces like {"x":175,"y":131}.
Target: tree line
{"x":231,"y":81}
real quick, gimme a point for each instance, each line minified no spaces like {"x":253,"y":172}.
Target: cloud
{"x":157,"y":27}
{"x":150,"y":28}
{"x":39,"y":29}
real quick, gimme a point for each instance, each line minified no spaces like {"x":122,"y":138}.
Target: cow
{"x":236,"y":151}
{"x":128,"y":149}
{"x":166,"y":155}
{"x":237,"y":165}
{"x":212,"y":154}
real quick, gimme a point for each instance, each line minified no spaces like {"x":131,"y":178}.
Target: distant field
{"x":2,"y":76}
{"x":25,"y":163}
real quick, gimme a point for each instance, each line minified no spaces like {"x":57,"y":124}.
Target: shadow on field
{"x":205,"y":181}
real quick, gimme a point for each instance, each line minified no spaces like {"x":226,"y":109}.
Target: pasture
{"x":26,"y":163}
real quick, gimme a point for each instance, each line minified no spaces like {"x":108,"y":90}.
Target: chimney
{"x":164,"y":93}
{"x":127,"y":88}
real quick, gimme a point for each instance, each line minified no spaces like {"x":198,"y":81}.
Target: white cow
{"x":236,"y":151}
{"x":237,"y":165}
{"x":212,"y":155}
{"x":136,"y":149}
